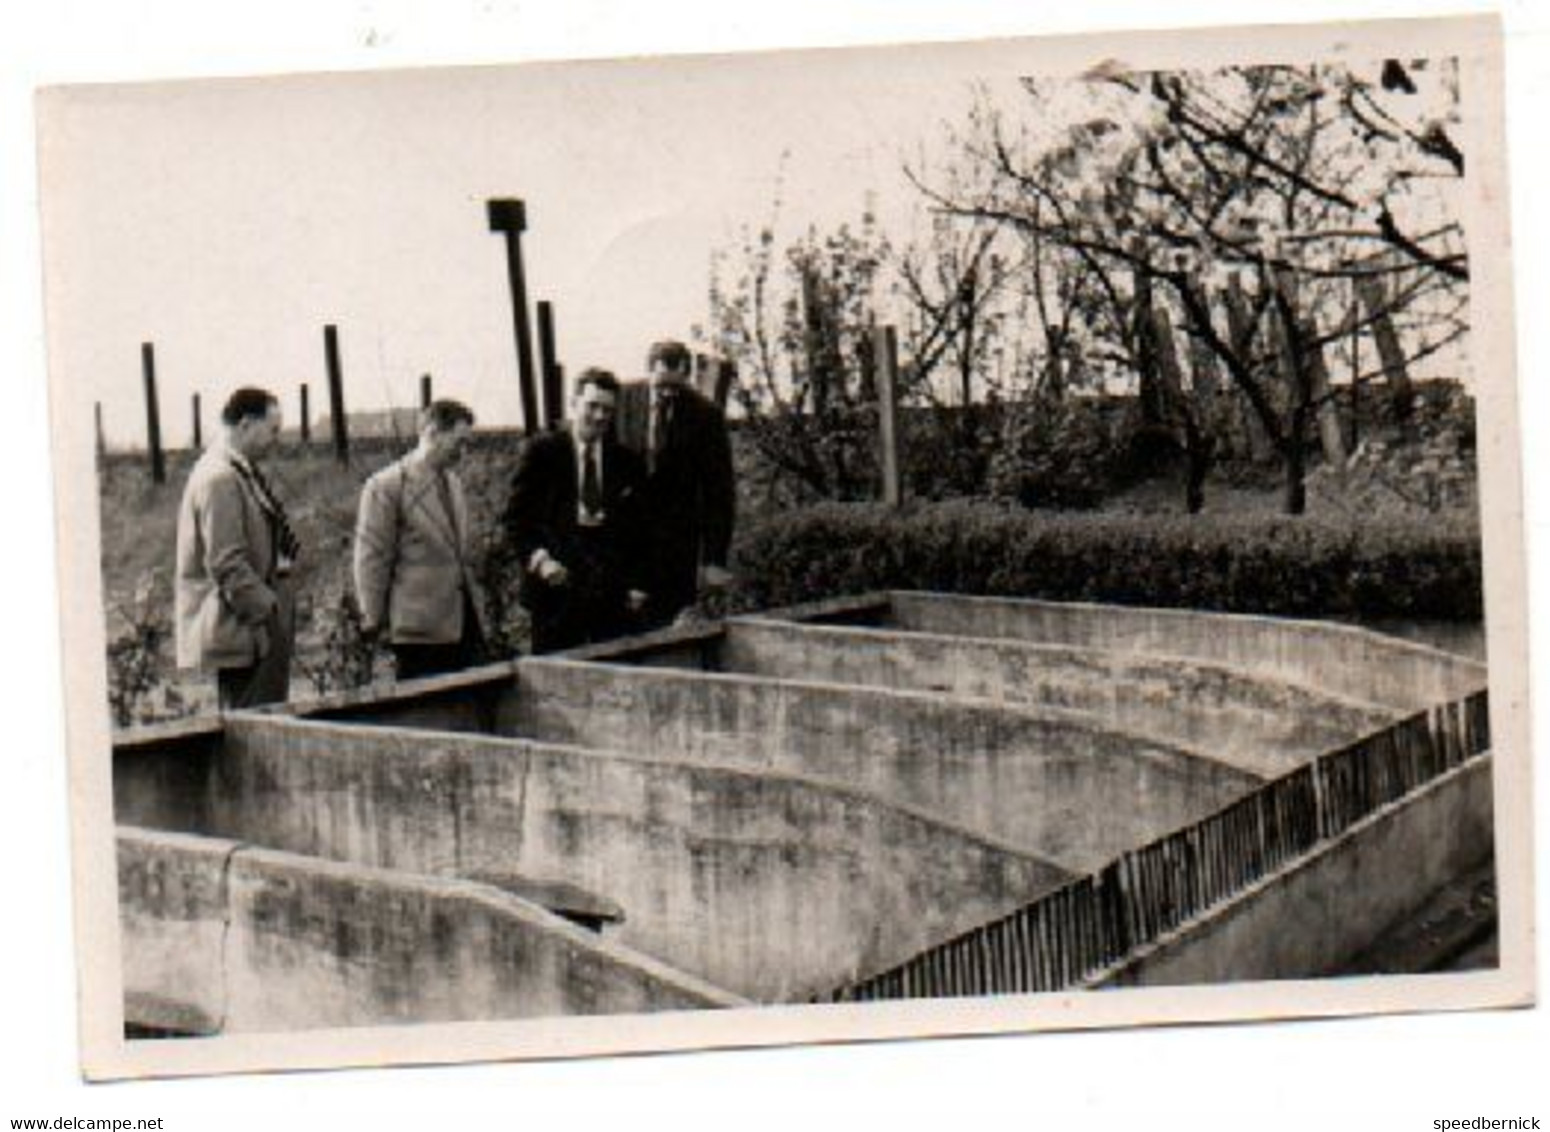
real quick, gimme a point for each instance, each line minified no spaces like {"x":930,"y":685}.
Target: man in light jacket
{"x":235,"y":614}
{"x":413,"y":561}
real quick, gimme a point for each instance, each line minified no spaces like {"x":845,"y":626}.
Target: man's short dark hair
{"x":247,"y":403}
{"x":602,"y":378}
{"x":671,"y":353}
{"x":445,"y":415}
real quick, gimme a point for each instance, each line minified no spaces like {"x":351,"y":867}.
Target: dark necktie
{"x":444,"y":489}
{"x":591,"y":488}
{"x":662,"y":424}
{"x":286,"y":542}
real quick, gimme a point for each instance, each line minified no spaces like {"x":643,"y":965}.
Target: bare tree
{"x":796,"y":318}
{"x":1275,"y":194}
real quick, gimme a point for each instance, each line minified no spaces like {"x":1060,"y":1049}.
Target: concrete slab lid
{"x":872,"y":601}
{"x":560,"y":897}
{"x":482,"y":676}
{"x":154,"y":735}
{"x":639,"y":644}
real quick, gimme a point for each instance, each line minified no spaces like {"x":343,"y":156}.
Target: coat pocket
{"x":426,"y":604}
{"x":222,"y":637}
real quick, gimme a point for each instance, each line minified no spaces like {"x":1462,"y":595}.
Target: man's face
{"x":446,"y":446}
{"x":593,"y":412}
{"x":259,"y":434}
{"x":663,"y":374}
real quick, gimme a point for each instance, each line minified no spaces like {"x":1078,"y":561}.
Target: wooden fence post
{"x":425,"y":391}
{"x":726,"y":374}
{"x":152,"y":414}
{"x":306,"y":417}
{"x":510,"y":218}
{"x":198,"y":426}
{"x":885,"y":347}
{"x":549,"y":368}
{"x":102,"y":442}
{"x":336,"y":393}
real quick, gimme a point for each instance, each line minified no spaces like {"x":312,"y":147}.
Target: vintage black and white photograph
{"x":790,"y":546}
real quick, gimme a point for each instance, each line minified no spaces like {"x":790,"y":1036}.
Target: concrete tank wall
{"x":172,"y":905}
{"x":1030,"y":778}
{"x":768,"y":885}
{"x":465,"y":701}
{"x":1313,"y":917}
{"x":1339,"y":659}
{"x":255,"y":940}
{"x":1264,"y":726}
{"x":161,"y":774}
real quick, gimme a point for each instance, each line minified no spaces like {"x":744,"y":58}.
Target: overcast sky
{"x":229,"y":221}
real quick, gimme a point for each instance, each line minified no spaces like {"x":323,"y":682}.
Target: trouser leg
{"x":268,"y":680}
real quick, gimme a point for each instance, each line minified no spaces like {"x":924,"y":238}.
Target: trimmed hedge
{"x":1303,"y":566}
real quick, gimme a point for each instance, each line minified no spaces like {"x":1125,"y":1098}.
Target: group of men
{"x":610,"y":534}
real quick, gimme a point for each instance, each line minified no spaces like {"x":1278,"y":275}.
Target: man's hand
{"x":635,"y":600}
{"x":715,"y":577}
{"x":551,"y":571}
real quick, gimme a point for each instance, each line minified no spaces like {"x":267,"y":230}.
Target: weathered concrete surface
{"x":257,"y":940}
{"x":677,"y":646}
{"x":1337,"y":659}
{"x":769,"y":885}
{"x":466,"y":701}
{"x":773,"y":835}
{"x":1032,"y":778}
{"x":1455,"y":930}
{"x":172,"y":904}
{"x":161,"y":774}
{"x":1313,"y":917}
{"x":1264,"y":726}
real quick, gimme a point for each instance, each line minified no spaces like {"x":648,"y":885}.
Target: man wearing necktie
{"x":690,"y":494}
{"x":235,"y":614}
{"x":572,"y":521}
{"x":413,"y":572}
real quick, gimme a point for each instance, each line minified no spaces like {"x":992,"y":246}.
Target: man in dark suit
{"x":690,"y":497}
{"x":572,"y":521}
